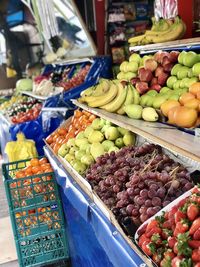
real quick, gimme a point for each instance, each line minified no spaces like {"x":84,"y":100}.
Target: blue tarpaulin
{"x":93,"y":239}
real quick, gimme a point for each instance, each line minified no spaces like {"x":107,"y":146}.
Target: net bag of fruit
{"x":21,"y":149}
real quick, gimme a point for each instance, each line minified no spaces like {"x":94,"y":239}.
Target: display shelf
{"x":95,"y":200}
{"x":39,"y":97}
{"x":192,"y":44}
{"x":176,"y":141}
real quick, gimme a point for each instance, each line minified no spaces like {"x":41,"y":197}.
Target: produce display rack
{"x":176,"y":141}
{"x":184,"y":44}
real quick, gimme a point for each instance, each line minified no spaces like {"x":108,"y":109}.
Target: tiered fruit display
{"x":14,"y":100}
{"x":79,"y":122}
{"x":173,"y":239}
{"x":137,"y":182}
{"x":97,"y":139}
{"x":163,"y":30}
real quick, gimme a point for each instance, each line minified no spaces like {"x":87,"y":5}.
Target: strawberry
{"x":175,"y":248}
{"x":194,"y":243}
{"x":148,"y":248}
{"x":195,"y":190}
{"x":179,"y":215}
{"x":166,"y":233}
{"x":169,"y":254}
{"x":196,"y":235}
{"x":142,"y":239}
{"x":156,"y":239}
{"x":181,"y":227}
{"x":196,"y":255}
{"x":176,"y":261}
{"x":167,"y":224}
{"x":197,"y":264}
{"x":182,"y":203}
{"x":192,"y":212}
{"x":157,"y":258}
{"x":195,"y":226}
{"x":171,"y":241}
{"x":151,"y":224}
{"x":165,"y":263}
{"x":154,"y":230}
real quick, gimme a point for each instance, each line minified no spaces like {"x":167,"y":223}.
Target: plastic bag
{"x":165,"y":9}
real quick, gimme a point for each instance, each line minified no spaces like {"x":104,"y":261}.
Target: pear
{"x":81,"y":141}
{"x":107,"y":144}
{"x":149,"y":114}
{"x":79,"y":167}
{"x":69,"y":157}
{"x":87,"y":159}
{"x":63,"y":150}
{"x":73,"y":150}
{"x":104,"y":128}
{"x":87,"y":151}
{"x":119,"y":142}
{"x":97,"y":150}
{"x":80,"y":135}
{"x":152,"y":92}
{"x":112,"y":133}
{"x":159,"y":100}
{"x":96,"y":136}
{"x":97,"y":124}
{"x":122,"y":130}
{"x":84,"y":146}
{"x":71,"y":142}
{"x":135,"y":57}
{"x":129,"y":139}
{"x":133,"y":111}
{"x":114,"y":148}
{"x":164,"y":90}
{"x":88,"y":131}
{"x":79,"y":154}
{"x":146,"y":100}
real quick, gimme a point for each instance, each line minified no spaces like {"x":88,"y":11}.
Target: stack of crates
{"x":36,"y":215}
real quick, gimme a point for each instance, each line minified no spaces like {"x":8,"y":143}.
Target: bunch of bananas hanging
{"x":111,"y":96}
{"x":163,"y":30}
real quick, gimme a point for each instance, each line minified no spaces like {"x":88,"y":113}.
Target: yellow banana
{"x":116,"y":103}
{"x":136,"y":39}
{"x":129,"y":100}
{"x":105,"y":98}
{"x":88,"y":91}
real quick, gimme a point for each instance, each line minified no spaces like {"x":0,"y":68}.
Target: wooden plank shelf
{"x":176,"y":141}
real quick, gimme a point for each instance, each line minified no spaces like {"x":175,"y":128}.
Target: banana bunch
{"x":162,"y":31}
{"x":111,"y":96}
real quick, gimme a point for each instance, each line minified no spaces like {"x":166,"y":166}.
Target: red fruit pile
{"x":156,"y":70}
{"x":173,"y":239}
{"x":28,"y":115}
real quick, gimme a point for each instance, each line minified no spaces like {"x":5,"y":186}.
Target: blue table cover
{"x":93,"y":240}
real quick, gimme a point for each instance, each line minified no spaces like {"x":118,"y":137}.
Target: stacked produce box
{"x":35,"y":211}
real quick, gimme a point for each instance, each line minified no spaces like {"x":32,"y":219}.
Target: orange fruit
{"x":77,"y":113}
{"x":198,"y":95}
{"x":192,"y":103}
{"x":62,"y":131}
{"x":194,"y":88}
{"x":49,"y":139}
{"x":43,"y":161}
{"x":20,"y":174}
{"x":171,"y":113}
{"x":184,"y":98}
{"x":167,"y":105}
{"x":185,"y":117}
{"x":34,"y":162}
{"x":36,"y":169}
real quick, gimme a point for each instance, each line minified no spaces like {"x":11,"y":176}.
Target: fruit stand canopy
{"x":15,"y":13}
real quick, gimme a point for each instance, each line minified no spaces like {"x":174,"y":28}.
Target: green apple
{"x":132,"y":66}
{"x":119,"y":142}
{"x":170,"y":81}
{"x":158,"y":100}
{"x":114,"y":148}
{"x":176,"y":85}
{"x":63,"y":150}
{"x":174,"y":97}
{"x":129,"y":139}
{"x":175,"y":69}
{"x":133,"y":111}
{"x":152,"y":93}
{"x":181,"y":57}
{"x":135,"y":57}
{"x":184,"y":82}
{"x":196,"y":69}
{"x":81,"y":141}
{"x":69,"y":157}
{"x":123,"y":66}
{"x":129,"y":75}
{"x":112,"y":133}
{"x":182,"y":73}
{"x":122,"y":130}
{"x":190,"y":59}
{"x":107,"y":144}
{"x":87,"y":159}
{"x":98,"y":124}
{"x":79,"y":154}
{"x":95,"y":136}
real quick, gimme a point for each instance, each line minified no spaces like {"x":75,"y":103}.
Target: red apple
{"x":154,"y":81}
{"x":150,"y":64}
{"x":158,"y":71}
{"x":160,"y":55}
{"x":168,"y":67}
{"x":145,"y":75}
{"x":173,"y":56}
{"x":156,"y":87}
{"x":142,"y":87}
{"x":165,"y":61}
{"x":162,"y":78}
{"x":134,"y":81}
